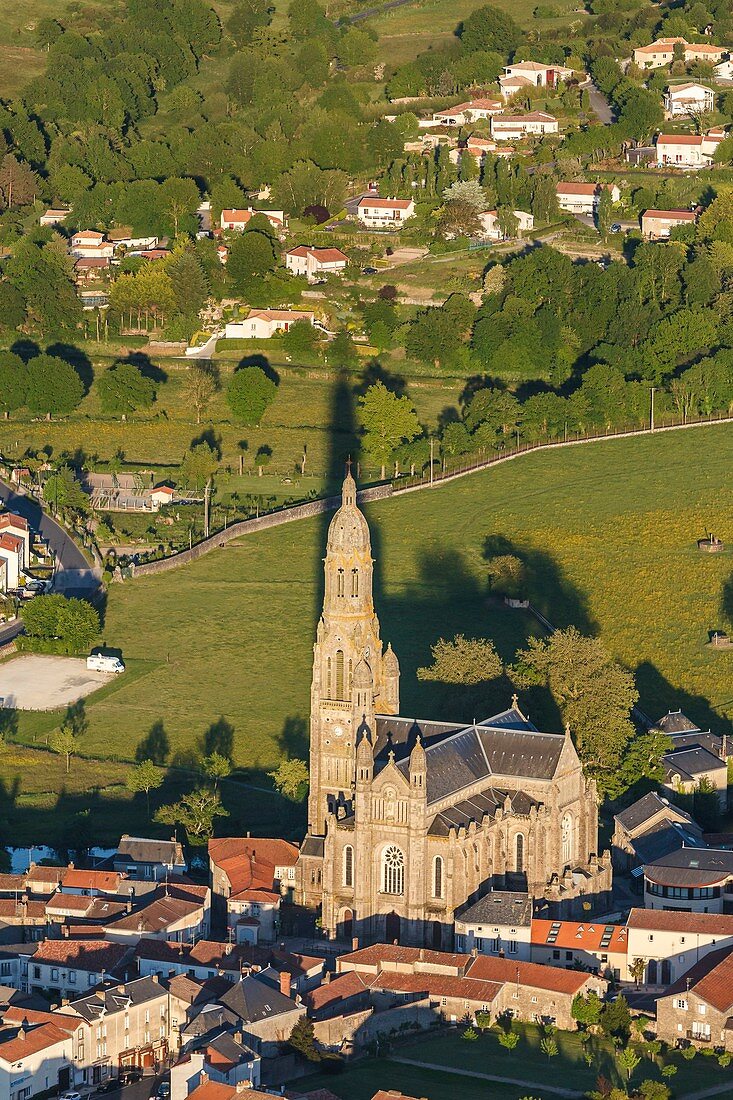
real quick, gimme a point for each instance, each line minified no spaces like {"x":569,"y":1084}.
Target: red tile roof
{"x":711,"y":979}
{"x":386,"y":204}
{"x":339,"y":989}
{"x":477,"y":991}
{"x":381,"y":953}
{"x":17,"y":1014}
{"x":94,"y":955}
{"x":680,"y":139}
{"x":31,"y":1042}
{"x":582,"y":935}
{"x":671,"y":215}
{"x":212,"y":1090}
{"x":663,"y":920}
{"x":536,"y":975}
{"x":9,"y":519}
{"x":11,"y":542}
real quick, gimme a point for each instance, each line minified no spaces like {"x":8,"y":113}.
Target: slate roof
{"x":498,"y":907}
{"x":644,"y":809}
{"x":691,"y":867}
{"x":312,"y":846}
{"x":691,"y":761}
{"x":139,"y":849}
{"x":253,"y":1000}
{"x":675,"y":721}
{"x":475,"y":807}
{"x":663,"y":838}
{"x":224,"y":1052}
{"x":115,"y":998}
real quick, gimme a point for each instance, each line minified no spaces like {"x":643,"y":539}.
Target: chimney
{"x":285,"y":983}
{"x":237,"y":1036}
{"x":154,"y":977}
{"x":203,"y":1077}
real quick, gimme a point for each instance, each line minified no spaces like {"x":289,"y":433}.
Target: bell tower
{"x":352,"y":676}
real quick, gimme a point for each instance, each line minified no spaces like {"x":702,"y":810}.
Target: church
{"x":411,"y":820}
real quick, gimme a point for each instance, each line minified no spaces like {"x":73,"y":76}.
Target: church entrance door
{"x":392,"y":928}
{"x":348,"y":924}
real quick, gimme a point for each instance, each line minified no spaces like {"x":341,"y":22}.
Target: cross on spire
{"x":348,"y":466}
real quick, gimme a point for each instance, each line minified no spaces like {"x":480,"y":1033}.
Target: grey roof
{"x":253,"y":1000}
{"x":312,"y":846}
{"x":209,"y":1017}
{"x":663,"y":838}
{"x":476,"y":807}
{"x":230,"y":1048}
{"x":711,"y":741}
{"x":116,"y":997}
{"x":643,"y":810}
{"x":691,"y":867}
{"x":498,"y":907}
{"x":691,"y":762}
{"x":138,"y":849}
{"x":675,"y":722}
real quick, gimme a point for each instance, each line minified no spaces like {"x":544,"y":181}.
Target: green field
{"x":608,"y":532}
{"x":567,"y":1070}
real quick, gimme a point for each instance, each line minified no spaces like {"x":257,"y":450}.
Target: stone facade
{"x":410,"y":820}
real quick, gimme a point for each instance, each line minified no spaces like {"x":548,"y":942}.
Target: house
{"x":90,"y":883}
{"x":686,"y":767}
{"x":123,"y":238}
{"x":465,"y":113}
{"x":65,"y":968}
{"x":688,"y":150}
{"x":651,"y":827}
{"x":531,"y":991}
{"x":698,"y":1008}
{"x":142,"y":858}
{"x":20,"y":475}
{"x":224,"y":1060}
{"x":478,"y":147}
{"x":661,"y":52}
{"x":583,"y":198}
{"x":262,"y":324}
{"x":175,"y":913}
{"x":89,"y":244}
{"x":376,"y":213}
{"x":53,"y":216}
{"x":162,"y":495}
{"x":266,"y":1012}
{"x":236,"y":220}
{"x":315,"y":263}
{"x":492,"y":231}
{"x":91,"y":269}
{"x":657,"y":224}
{"x":35,"y":1060}
{"x":12,"y":524}
{"x":499,"y":923}
{"x":119,"y":1028}
{"x":515,"y":127}
{"x":696,"y":880}
{"x":537,"y":75}
{"x":671,"y":941}
{"x":582,"y":945}
{"x":724,"y":71}
{"x":688,"y":99}
{"x":249,"y":878}
{"x":43,"y":881}
{"x":12,"y":552}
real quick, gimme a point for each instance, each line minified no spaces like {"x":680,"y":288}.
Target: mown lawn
{"x":361,"y":1081}
{"x":608,"y":531}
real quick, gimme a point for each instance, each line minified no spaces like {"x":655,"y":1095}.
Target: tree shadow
{"x":145,"y":365}
{"x":211,"y":439}
{"x":76,"y":358}
{"x":25,"y":348}
{"x":479,"y":382}
{"x":293,"y":740}
{"x":261,"y":361}
{"x":374,"y":372}
{"x":155,"y":745}
{"x":219,"y":737}
{"x":658,"y":696}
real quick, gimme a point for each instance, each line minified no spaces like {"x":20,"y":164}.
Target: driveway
{"x":39,"y":682}
{"x":599,"y":104}
{"x":74,"y":575}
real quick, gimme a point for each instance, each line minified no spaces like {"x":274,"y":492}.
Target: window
{"x":5,"y":968}
{"x":438,"y":877}
{"x":556,"y":954}
{"x":393,"y":870}
{"x":513,"y":947}
{"x":567,"y":839}
{"x":54,"y":974}
{"x":340,"y":583}
{"x":348,"y":865}
{"x":354,"y":582}
{"x":681,"y":1003}
{"x":702,"y":1009}
{"x":72,"y":977}
{"x":568,"y":956}
{"x":339,"y":673}
{"x":534,"y":1000}
{"x":519,"y":853}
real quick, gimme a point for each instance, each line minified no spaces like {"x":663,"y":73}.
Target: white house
{"x":724,"y":71}
{"x":237,"y":220}
{"x":499,"y":923}
{"x":89,"y":244}
{"x":582,"y":944}
{"x":694,"y":880}
{"x":224,"y":1060}
{"x":123,"y":238}
{"x":68,"y":968}
{"x":540,"y":76}
{"x":671,"y":942}
{"x":315,"y":263}
{"x":688,"y":99}
{"x":583,"y":198}
{"x":11,"y":524}
{"x":53,"y":216}
{"x":688,"y":150}
{"x":378,"y":213}
{"x":12,"y":551}
{"x":261,"y":324}
{"x":661,"y":52}
{"x":465,"y":113}
{"x":492,"y":231}
{"x":515,"y":127}
{"x":162,"y":495}
{"x":35,"y":1060}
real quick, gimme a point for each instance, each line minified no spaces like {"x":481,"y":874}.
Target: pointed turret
{"x":418,"y":767}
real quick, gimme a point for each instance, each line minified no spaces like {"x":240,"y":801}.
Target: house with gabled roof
{"x":35,"y":1060}
{"x":671,"y":941}
{"x":12,"y":524}
{"x":516,"y":127}
{"x":145,"y":858}
{"x":378,"y":213}
{"x":651,"y":827}
{"x":688,"y":150}
{"x":688,"y":98}
{"x":315,"y":263}
{"x":698,"y":1008}
{"x":464,"y":113}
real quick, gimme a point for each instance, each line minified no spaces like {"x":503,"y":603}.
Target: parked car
{"x":130,"y":1076}
{"x":369,"y":271}
{"x":103,"y":662}
{"x":164,"y":1090}
{"x":71,"y":1096}
{"x":109,"y":1086}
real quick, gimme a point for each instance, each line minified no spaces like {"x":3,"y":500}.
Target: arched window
{"x":329,"y":684}
{"x":519,"y":852}
{"x":348,"y":865}
{"x":393,"y":870}
{"x":340,"y":583}
{"x":339,"y":673}
{"x":354,"y":582}
{"x":567,"y":839}
{"x":438,"y":877}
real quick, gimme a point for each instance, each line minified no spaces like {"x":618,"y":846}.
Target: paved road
{"x":206,"y":351}
{"x":599,"y":104}
{"x":74,"y":574}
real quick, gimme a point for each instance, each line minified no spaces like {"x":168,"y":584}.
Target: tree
{"x":180,"y":199}
{"x":200,"y":385}
{"x":301,"y":339}
{"x":251,"y":256}
{"x":548,"y":1046}
{"x":146,"y":777}
{"x":488,"y":28}
{"x":124,"y":388}
{"x":615,"y":1019}
{"x":506,"y":574}
{"x":217,"y":767}
{"x":249,"y":393}
{"x":303,"y":1041}
{"x":13,"y":382}
{"x":291,"y":779}
{"x":458,"y":218}
{"x":587,"y":1010}
{"x":508,"y":1039}
{"x":19,"y":184}
{"x":637,"y":971}
{"x":56,"y":623}
{"x":199,"y":465}
{"x":62,"y":491}
{"x":463,"y":661}
{"x":63,"y":742}
{"x":593,"y":692}
{"x":246,"y":16}
{"x":12,"y":307}
{"x":433,"y":335}
{"x":656,"y":1090}
{"x":386,"y":420}
{"x":628,"y":1060}
{"x":195,"y":811}
{"x":190,"y":285}
{"x":54,"y":387}
{"x":483,"y":1021}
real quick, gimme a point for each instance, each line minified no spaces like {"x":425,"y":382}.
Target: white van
{"x":100,"y":662}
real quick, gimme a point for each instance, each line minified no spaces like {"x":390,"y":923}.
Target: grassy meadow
{"x":608,"y":532}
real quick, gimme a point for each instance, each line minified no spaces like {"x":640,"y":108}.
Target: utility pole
{"x":207,"y":492}
{"x":432,"y":443}
{"x":652,"y":391}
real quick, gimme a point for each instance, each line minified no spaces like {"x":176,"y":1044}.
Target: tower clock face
{"x":338,"y":731}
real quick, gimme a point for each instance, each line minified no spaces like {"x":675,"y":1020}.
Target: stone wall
{"x":681,"y":1016}
{"x":261,"y":523}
